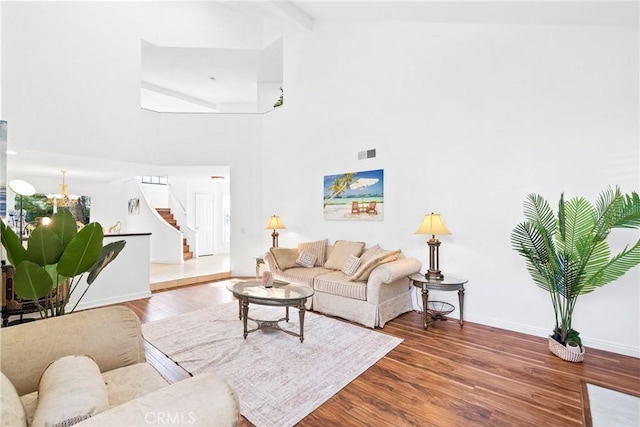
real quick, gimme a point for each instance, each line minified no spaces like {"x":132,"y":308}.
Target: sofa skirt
{"x":363,"y":312}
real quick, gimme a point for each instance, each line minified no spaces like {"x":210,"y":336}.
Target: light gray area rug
{"x":611,"y":408}
{"x":279,"y":380}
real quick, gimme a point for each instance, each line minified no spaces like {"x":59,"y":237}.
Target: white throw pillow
{"x":71,"y":389}
{"x":13,"y":412}
{"x":306,"y":259}
{"x":351,"y":265}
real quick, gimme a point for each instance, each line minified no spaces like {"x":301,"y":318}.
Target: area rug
{"x":605,"y":407}
{"x":279,"y":380}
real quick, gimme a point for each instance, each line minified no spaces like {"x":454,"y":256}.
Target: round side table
{"x":447,"y":283}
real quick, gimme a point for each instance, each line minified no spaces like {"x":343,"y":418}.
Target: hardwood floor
{"x":446,"y":376}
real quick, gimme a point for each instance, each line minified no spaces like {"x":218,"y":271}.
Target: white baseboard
{"x":526,"y":329}
{"x":108,"y":301}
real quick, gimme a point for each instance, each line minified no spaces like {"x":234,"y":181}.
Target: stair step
{"x":166,"y":214}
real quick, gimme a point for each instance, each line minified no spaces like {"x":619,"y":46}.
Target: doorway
{"x":204,"y":223}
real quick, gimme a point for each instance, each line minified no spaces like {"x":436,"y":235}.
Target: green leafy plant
{"x":55,"y":260}
{"x":568,"y":255}
{"x":280,"y":100}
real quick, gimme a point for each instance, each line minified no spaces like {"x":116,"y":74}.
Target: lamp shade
{"x":274,"y":223}
{"x":21,"y":188}
{"x":432,"y":224}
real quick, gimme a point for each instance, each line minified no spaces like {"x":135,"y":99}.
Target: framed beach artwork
{"x":354,"y":196}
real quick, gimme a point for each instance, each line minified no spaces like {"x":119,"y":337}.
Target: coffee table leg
{"x":287,"y":315}
{"x":461,"y":301}
{"x":425,"y":314}
{"x":301,"y":313}
{"x":245,"y":314}
{"x":240,"y":308}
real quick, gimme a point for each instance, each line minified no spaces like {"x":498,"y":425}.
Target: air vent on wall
{"x":368,"y":154}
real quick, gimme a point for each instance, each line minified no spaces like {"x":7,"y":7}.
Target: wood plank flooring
{"x":446,"y":376}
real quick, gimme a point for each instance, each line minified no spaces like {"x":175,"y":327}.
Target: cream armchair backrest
{"x":111,"y":335}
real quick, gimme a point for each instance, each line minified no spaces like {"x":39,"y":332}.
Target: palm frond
{"x":613,"y":269}
{"x":629,"y":214}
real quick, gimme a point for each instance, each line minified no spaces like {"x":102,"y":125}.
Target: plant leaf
{"x":108,"y":254}
{"x":32,"y":281}
{"x":82,"y":251}
{"x":44,"y":246}
{"x":16,"y":253}
{"x":64,"y":226}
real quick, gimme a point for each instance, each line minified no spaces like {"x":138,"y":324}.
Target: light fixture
{"x":21,"y":188}
{"x":432,"y":224}
{"x":274,"y":223}
{"x":62,"y":198}
{"x":217,"y":178}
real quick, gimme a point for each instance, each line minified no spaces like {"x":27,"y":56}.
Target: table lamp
{"x":274,"y":223}
{"x":21,"y":188}
{"x":432,"y":224}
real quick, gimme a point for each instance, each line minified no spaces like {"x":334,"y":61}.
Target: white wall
{"x":466,"y":120}
{"x":78,"y":91}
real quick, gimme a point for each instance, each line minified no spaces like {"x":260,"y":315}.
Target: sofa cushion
{"x":367,"y":267}
{"x":318,"y":248}
{"x":342,"y":249}
{"x":130,"y":382}
{"x":302,"y":275}
{"x":284,"y":257}
{"x":306,"y":259}
{"x":205,"y":399}
{"x":71,"y":389}
{"x":351,"y":265}
{"x":13,"y":412}
{"x":338,"y":283}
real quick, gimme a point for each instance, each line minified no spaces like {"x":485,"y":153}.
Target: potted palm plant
{"x":567,"y":255}
{"x":57,"y":256}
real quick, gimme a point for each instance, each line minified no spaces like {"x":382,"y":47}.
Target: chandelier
{"x":62,"y":199}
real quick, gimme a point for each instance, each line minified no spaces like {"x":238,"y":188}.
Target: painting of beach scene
{"x":354,"y":196}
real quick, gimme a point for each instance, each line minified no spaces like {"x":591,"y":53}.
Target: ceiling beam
{"x":290,"y":12}
{"x":178,"y":95}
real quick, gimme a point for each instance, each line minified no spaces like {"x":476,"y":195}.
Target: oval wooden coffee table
{"x":282,"y":294}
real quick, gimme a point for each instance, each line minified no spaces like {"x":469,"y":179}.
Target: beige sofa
{"x":374,"y":292}
{"x":137,"y":394}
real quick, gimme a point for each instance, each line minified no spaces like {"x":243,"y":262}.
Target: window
{"x":152,"y":179}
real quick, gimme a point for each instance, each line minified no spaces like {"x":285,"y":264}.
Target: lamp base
{"x":434,"y":275}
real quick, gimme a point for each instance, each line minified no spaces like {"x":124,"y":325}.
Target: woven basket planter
{"x":565,"y":353}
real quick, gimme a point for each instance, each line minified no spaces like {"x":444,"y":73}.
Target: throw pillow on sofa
{"x":306,"y":259}
{"x":71,"y":389}
{"x":351,"y":265}
{"x":13,"y":412}
{"x":317,"y":248}
{"x":366,"y":268}
{"x":370,"y":253}
{"x":342,"y":249}
{"x":284,"y":257}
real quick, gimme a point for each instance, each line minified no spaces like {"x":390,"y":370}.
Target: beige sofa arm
{"x":203,"y":400}
{"x":391,"y":271}
{"x":111,"y":335}
{"x":385,"y":277}
{"x":271,"y":263}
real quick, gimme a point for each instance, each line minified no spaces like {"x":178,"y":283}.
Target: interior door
{"x":204,"y":223}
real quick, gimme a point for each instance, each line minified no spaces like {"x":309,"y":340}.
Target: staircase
{"x":166,"y":214}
